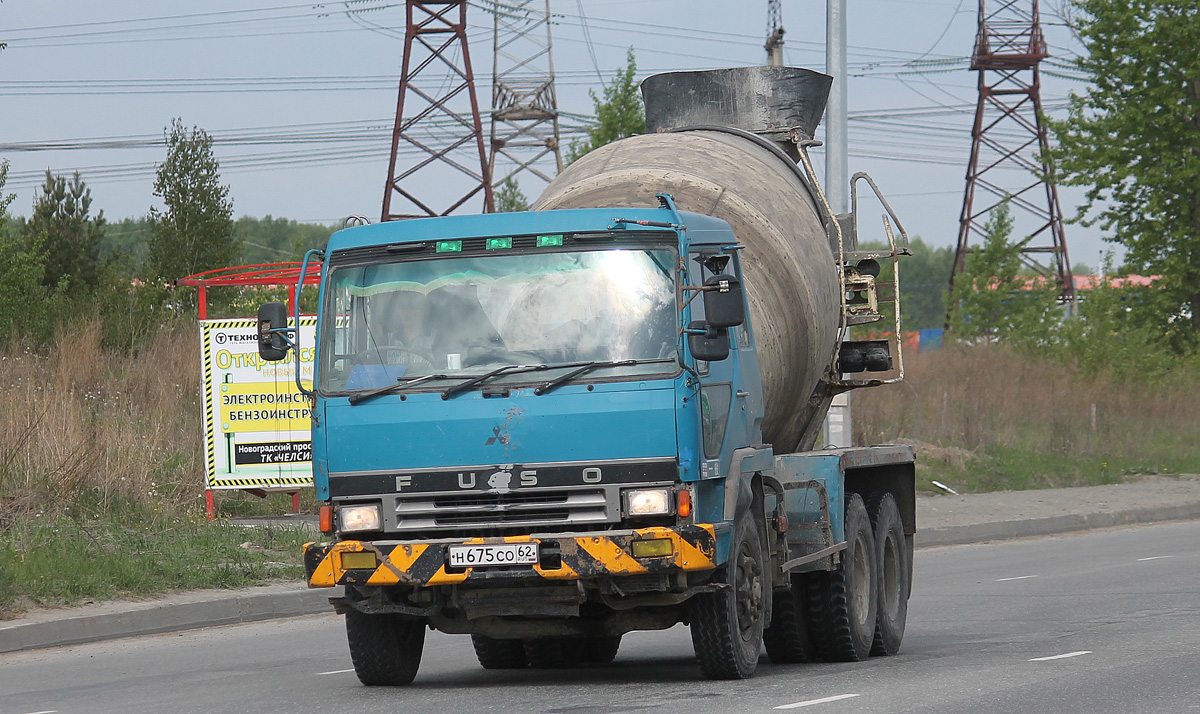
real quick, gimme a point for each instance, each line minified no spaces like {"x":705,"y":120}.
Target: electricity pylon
{"x":1009,"y":142}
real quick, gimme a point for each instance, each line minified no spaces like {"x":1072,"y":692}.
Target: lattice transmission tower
{"x":775,"y":32}
{"x":437,"y":119}
{"x":1009,"y":143}
{"x":525,"y":130}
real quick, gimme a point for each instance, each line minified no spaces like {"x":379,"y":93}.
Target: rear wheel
{"x":787,"y":638}
{"x":385,"y":649}
{"x":600,"y":650}
{"x":494,"y":653}
{"x":553,"y":652}
{"x":892,"y":557}
{"x":842,"y":602}
{"x":727,"y":626}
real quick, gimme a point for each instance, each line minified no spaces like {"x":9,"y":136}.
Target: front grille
{"x":488,"y":499}
{"x":468,"y":519}
{"x":575,"y":508}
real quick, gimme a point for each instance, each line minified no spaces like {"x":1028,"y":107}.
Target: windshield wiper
{"x":356,"y":398}
{"x":506,"y":369}
{"x":583,"y":369}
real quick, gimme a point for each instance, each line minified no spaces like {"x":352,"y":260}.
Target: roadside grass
{"x":102,"y":478}
{"x":985,"y":419}
{"x":51,"y":562}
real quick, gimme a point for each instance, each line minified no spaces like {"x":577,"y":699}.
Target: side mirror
{"x":708,"y":343}
{"x":272,"y":346}
{"x":724,"y":301}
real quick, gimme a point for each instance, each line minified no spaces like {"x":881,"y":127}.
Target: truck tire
{"x":842,"y":602}
{"x":727,"y":626}
{"x":600,"y":650}
{"x":385,"y":649}
{"x":892,"y":561}
{"x":787,"y":638}
{"x":553,"y":652}
{"x":494,"y":653}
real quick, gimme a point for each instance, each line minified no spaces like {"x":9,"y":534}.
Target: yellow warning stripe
{"x":608,"y":553}
{"x":613,"y":557}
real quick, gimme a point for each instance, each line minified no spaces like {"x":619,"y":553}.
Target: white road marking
{"x":48,"y":711}
{"x":1153,"y":557}
{"x":336,"y":671}
{"x":1061,"y":656}
{"x":824,"y":700}
{"x":1019,"y":577}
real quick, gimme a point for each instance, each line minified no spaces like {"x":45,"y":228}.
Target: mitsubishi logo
{"x":499,"y":436}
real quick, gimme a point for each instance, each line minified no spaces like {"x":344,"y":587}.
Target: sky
{"x":300,"y":97}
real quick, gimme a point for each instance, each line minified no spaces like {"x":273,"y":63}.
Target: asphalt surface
{"x":941,"y":521}
{"x":1102,"y":622}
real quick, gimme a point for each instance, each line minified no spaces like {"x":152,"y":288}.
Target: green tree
{"x":619,"y":114}
{"x":71,"y":239}
{"x":924,"y":277}
{"x":510,"y":197}
{"x":993,"y":300}
{"x":194,"y":232}
{"x":1134,"y":139}
{"x":272,"y":240}
{"x":27,"y":307}
{"x":123,"y":247}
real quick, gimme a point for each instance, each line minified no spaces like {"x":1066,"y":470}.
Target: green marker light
{"x":448,"y":246}
{"x":498,"y":243}
{"x":549,"y":241}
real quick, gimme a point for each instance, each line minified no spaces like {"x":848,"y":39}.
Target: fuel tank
{"x":719,"y":142}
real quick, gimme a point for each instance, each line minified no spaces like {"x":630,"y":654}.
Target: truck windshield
{"x":467,"y":315}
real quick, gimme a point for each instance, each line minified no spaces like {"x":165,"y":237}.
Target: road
{"x":1103,"y":622}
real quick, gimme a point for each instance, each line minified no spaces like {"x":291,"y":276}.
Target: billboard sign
{"x":256,"y":422}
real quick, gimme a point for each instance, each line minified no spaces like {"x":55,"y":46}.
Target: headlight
{"x":648,"y":502}
{"x":359,"y":518}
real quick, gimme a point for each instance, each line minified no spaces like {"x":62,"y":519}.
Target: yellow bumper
{"x":569,"y":558}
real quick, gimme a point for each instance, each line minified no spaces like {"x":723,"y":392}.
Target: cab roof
{"x":700,"y":229}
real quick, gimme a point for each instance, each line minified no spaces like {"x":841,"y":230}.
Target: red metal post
{"x":1009,"y":133}
{"x":437,"y":140}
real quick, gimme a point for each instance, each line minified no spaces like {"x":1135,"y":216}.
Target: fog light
{"x":359,"y":518}
{"x":648,"y":502}
{"x":653,"y":548}
{"x":360,"y":560}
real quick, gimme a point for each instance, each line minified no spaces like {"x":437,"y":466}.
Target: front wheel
{"x":727,"y":626}
{"x":494,"y":653}
{"x":553,"y":652}
{"x":600,"y":650}
{"x":385,"y":649}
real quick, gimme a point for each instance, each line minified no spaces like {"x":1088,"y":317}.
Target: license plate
{"x":474,"y":556}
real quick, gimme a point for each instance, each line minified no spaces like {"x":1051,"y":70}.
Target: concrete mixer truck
{"x":547,"y":429}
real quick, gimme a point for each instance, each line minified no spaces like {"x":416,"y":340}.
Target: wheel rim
{"x":860,"y":597}
{"x":890,"y":568}
{"x":749,"y":591}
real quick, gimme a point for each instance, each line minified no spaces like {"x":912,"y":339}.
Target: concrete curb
{"x":155,"y":618}
{"x":1010,"y":530}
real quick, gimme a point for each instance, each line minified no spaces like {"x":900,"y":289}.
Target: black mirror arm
{"x":287,"y":334}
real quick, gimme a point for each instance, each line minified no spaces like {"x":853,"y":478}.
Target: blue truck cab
{"x":543,"y":430}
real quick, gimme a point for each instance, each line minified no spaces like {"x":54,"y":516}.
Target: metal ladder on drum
{"x":863,"y":361}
